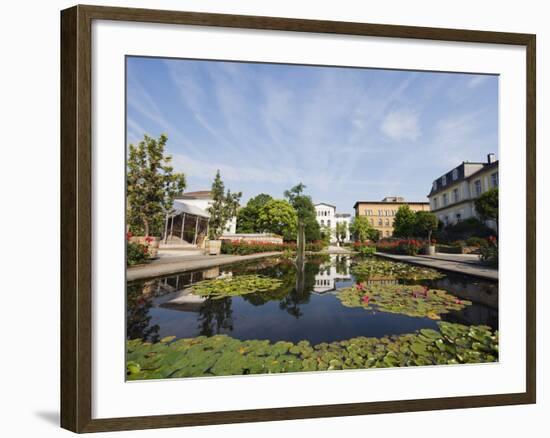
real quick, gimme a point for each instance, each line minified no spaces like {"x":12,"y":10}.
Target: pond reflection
{"x":304,"y":307}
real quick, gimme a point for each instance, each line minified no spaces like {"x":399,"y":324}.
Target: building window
{"x":455,"y":195}
{"x":328,"y":223}
{"x":387,"y":222}
{"x":435,"y":185}
{"x":387,"y":233}
{"x":444,"y":179}
{"x":445,"y":200}
{"x":455,"y":174}
{"x":458,"y":217}
{"x":477,"y":187}
{"x":322,"y":222}
{"x":435,"y":202}
{"x":380,"y":222}
{"x":494,"y":180}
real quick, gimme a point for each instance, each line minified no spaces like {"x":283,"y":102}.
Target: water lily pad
{"x":235,"y":286}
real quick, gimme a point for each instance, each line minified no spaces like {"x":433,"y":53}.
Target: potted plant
{"x":223,"y":208}
{"x":426,"y":223}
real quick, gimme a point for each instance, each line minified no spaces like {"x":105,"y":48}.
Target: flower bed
{"x":364,"y":248}
{"x":404,"y":246}
{"x":222,"y":355}
{"x":136,"y":252}
{"x":240,"y":247}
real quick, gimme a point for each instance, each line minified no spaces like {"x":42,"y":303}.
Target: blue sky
{"x":348,"y":134}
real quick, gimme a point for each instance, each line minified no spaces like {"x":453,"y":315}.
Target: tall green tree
{"x":279,"y":217}
{"x":151,"y":185}
{"x":362,"y":230}
{"x":425,"y":224}
{"x":224,"y":206}
{"x":404,"y":222}
{"x":305,"y":211}
{"x":248,"y":216}
{"x":487,"y":205}
{"x":341,"y":231}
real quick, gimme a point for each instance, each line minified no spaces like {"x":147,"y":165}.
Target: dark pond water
{"x":306,"y":307}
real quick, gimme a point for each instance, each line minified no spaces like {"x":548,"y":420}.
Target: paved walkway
{"x":337,"y":250}
{"x":173,"y":265}
{"x":446,"y":263}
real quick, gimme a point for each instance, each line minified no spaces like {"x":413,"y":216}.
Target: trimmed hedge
{"x":244,"y":248}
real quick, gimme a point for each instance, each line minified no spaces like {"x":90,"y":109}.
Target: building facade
{"x":327,"y":217}
{"x":381,"y":214}
{"x":453,"y":194}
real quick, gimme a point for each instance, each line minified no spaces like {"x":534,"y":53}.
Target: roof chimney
{"x":491,"y":158}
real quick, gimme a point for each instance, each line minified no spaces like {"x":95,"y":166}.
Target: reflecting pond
{"x":305,"y":305}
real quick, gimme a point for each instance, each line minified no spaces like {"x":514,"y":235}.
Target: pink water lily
{"x":366,"y":299}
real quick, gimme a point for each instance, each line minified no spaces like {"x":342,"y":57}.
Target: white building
{"x":327,"y":217}
{"x":203,"y":199}
{"x":330,"y":273}
{"x":453,"y":195}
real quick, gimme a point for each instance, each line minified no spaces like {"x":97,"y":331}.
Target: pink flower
{"x":458,"y":302}
{"x":366,"y":299}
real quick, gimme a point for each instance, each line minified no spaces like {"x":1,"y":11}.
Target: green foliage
{"x":279,"y":217}
{"x":404,"y":222}
{"x":341,"y":231}
{"x":489,"y":252}
{"x":326,"y":235}
{"x":224,"y":207}
{"x":222,"y":355}
{"x":487,"y":205}
{"x":425,"y":224}
{"x":364,"y":250}
{"x":362,"y":230}
{"x":136,"y":253}
{"x":385,"y":269}
{"x":151,"y":186}
{"x":305,"y":211}
{"x":417,"y":301}
{"x":235,"y":286}
{"x":248,"y":216}
{"x":463,"y":230}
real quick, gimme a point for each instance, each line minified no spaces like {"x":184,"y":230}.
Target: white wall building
{"x":203,"y":199}
{"x":453,"y":195}
{"x":330,"y":273}
{"x":327,"y":217}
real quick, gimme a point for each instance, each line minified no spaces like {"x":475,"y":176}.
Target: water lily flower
{"x":366,"y":299}
{"x":458,"y":301}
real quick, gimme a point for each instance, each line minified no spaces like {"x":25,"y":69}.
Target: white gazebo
{"x":186,"y":223}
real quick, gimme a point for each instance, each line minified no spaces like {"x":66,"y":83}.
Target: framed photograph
{"x":270,"y":218}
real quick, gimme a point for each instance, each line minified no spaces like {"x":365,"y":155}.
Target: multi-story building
{"x":453,"y":194}
{"x":327,"y":217}
{"x":381,"y":214}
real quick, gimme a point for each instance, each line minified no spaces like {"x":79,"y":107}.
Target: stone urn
{"x":429,"y":249}
{"x":214,"y":247}
{"x":151,"y":242}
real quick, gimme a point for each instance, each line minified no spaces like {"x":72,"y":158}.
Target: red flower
{"x":148,"y":239}
{"x":129,"y":235}
{"x":366,"y":299}
{"x":458,"y":302}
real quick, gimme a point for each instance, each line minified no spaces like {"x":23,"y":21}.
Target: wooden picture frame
{"x":76,"y":218}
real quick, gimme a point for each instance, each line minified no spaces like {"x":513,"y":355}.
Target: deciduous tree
{"x":224,"y":207}
{"x":151,"y":185}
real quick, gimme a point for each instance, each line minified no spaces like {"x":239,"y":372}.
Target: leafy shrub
{"x":449,"y":249}
{"x":489,"y":253}
{"x":476,"y":241}
{"x":365,"y":249}
{"x":136,"y":253}
{"x":404,"y":246}
{"x":244,"y":248}
{"x":463,"y":230}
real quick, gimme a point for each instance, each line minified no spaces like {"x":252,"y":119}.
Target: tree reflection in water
{"x":138,"y":319}
{"x":215,"y":317}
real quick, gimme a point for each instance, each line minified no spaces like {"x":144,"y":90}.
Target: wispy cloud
{"x":401,"y":125}
{"x":345,"y":133}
